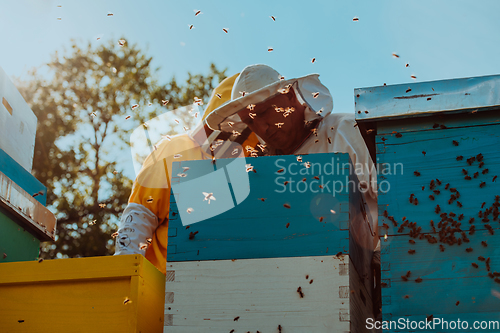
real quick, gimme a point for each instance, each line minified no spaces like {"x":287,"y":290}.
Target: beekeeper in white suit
{"x":293,"y":116}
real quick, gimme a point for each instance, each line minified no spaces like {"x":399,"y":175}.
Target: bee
{"x":304,"y":179}
{"x":279,"y":124}
{"x":438,"y":209}
{"x":404,"y":278}
{"x":447,"y":186}
{"x":262,"y":199}
{"x":232,"y":331}
{"x":416,"y":173}
{"x":143,"y":246}
{"x":406,"y":296}
{"x":355,"y":19}
{"x":415,"y":202}
{"x":114,"y":235}
{"x":287,"y":225}
{"x":273,"y":18}
{"x":197,"y":12}
{"x":485,"y":171}
{"x":455,"y":143}
{"x":458,"y":302}
{"x":461,"y":217}
{"x":332,"y":211}
{"x":398,"y":135}
{"x":467,"y":178}
{"x":321,"y":218}
{"x":299,"y":290}
{"x":459,"y":204}
{"x":494,"y":178}
{"x":313,"y":60}
{"x":408,"y":90}
{"x":236,"y":318}
{"x":279,"y":328}
{"x":191,"y":26}
{"x":177,"y":156}
{"x":270,"y":49}
{"x":418,"y":280}
{"x":102,"y":205}
{"x":476,"y":174}
{"x":431,"y":197}
{"x":92,"y":222}
{"x":491,"y":275}
{"x":435,"y":126}
{"x":150,"y":200}
{"x":483,"y":243}
{"x":441,"y":247}
{"x":468,"y":250}
{"x":474,"y":265}
{"x":438,"y":182}
{"x":423,"y":152}
{"x":413,"y":77}
{"x":287,"y":206}
{"x":127,"y":301}
{"x":39,"y":259}
{"x":286,"y":183}
{"x":316,"y":177}
{"x":310,"y":282}
{"x":110,"y":14}
{"x":443,"y":127}
{"x":225,"y":30}
{"x":280,"y":170}
{"x":482,"y":184}
{"x":330,"y":142}
{"x":192,"y":234}
{"x":411,"y":251}
{"x":315,"y":94}
{"x":407,"y":65}
{"x":430,"y":318}
{"x":395,"y":55}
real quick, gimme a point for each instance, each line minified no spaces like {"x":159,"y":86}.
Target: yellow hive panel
{"x":82,"y":295}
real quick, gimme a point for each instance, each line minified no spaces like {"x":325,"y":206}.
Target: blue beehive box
{"x":259,"y":243}
{"x":436,"y":146}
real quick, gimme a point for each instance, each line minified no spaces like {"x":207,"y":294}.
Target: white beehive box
{"x":17,"y":124}
{"x":261,"y":295}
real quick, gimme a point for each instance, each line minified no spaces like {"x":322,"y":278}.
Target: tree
{"x":87,"y":106}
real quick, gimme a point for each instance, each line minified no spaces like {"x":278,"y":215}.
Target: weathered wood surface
{"x":261,"y":294}
{"x":447,"y":276}
{"x":17,"y":124}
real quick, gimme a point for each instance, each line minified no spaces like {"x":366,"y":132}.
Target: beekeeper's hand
{"x":136,"y":228}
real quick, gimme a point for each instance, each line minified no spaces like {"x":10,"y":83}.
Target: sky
{"x":437,"y":39}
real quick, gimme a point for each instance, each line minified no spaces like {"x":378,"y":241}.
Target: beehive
{"x":99,"y":294}
{"x":437,"y":156}
{"x":267,"y":257}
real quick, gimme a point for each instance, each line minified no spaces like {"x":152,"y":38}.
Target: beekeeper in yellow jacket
{"x":143,"y":227}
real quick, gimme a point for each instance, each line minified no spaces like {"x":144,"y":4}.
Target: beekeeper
{"x":294,"y":116}
{"x":143,"y":228}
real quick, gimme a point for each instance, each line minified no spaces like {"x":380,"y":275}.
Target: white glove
{"x":136,"y":226}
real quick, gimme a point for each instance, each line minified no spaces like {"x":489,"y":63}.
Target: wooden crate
{"x":251,"y":258}
{"x":82,"y":295}
{"x":433,"y":142}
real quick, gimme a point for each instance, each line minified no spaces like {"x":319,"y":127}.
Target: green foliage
{"x":82,"y":103}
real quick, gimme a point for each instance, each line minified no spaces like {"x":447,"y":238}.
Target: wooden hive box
{"x":82,"y":295}
{"x":437,"y":145}
{"x":267,"y":259}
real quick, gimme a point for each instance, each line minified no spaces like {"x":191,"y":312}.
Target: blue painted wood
{"x":447,"y":277}
{"x":260,"y":229}
{"x":21,"y":177}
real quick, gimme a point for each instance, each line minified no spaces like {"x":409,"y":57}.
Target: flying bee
{"x":236,"y":318}
{"x":321,"y":218}
{"x":197,"y":12}
{"x":102,"y":205}
{"x":395,"y":55}
{"x":355,"y":19}
{"x":406,"y":296}
{"x":269,"y":49}
{"x":455,"y":143}
{"x":286,"y":183}
{"x":330,"y":142}
{"x":494,"y":178}
{"x":127,"y":300}
{"x":191,"y":26}
{"x":208,"y":197}
{"x":114,"y":235}
{"x":408,"y":90}
{"x":287,"y":225}
{"x":225,"y":30}
{"x":313,"y":60}
{"x":413,"y":77}
{"x":143,"y":246}
{"x":299,"y":158}
{"x":307,"y":165}
{"x":252,"y":115}
{"x":150,"y":199}
{"x":458,"y":302}
{"x":279,"y":124}
{"x":287,"y":206}
{"x":416,"y":173}
{"x":316,"y":177}
{"x":315,"y":95}
{"x":273,"y":18}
